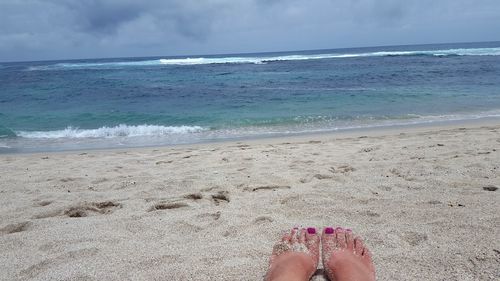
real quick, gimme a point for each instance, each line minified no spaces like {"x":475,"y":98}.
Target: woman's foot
{"x":296,"y":257}
{"x":346,"y":258}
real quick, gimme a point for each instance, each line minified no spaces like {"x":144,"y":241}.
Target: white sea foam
{"x":110,"y":132}
{"x":267,"y":59}
{"x":119,"y":63}
{"x":195,"y":61}
{"x":149,"y":135}
{"x":263,"y":60}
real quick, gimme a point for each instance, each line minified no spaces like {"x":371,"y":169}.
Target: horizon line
{"x":246,"y":53}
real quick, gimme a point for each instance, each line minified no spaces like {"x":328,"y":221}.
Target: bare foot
{"x":346,"y":258}
{"x":296,"y":257}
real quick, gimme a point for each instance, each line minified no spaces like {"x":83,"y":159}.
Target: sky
{"x":66,"y":29}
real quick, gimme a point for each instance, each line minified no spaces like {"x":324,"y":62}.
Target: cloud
{"x":101,"y":17}
{"x":48,"y":29}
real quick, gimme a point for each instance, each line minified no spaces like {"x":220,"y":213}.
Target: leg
{"x":296,"y":257}
{"x":346,"y":258}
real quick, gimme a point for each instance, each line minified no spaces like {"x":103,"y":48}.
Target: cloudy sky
{"x":61,"y":29}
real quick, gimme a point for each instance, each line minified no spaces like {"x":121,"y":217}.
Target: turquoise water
{"x":58,"y":105}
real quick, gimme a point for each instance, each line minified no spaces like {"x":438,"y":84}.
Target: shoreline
{"x":340,"y":133}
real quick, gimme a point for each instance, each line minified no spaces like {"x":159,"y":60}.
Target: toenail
{"x":329,"y":230}
{"x":339,"y":228}
{"x":311,"y":230}
{"x":348,"y":230}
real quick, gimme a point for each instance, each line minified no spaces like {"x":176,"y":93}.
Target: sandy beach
{"x":424,"y":201}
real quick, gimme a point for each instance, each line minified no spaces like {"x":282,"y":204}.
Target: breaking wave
{"x":261,"y":60}
{"x":267,"y":59}
{"x":110,"y":132}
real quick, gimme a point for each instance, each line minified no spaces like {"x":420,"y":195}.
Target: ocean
{"x":151,"y":101}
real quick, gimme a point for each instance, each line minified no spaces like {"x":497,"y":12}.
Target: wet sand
{"x":424,"y":200}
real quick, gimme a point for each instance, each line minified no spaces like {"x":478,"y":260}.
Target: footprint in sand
{"x":345,"y":169}
{"x":179,"y":202}
{"x":414,"y":238}
{"x":221,"y":196}
{"x":68,"y":179}
{"x":371,"y":214}
{"x":322,"y":176}
{"x":215,"y":216}
{"x":99,"y":180}
{"x":82,"y":210}
{"x":167,"y":206}
{"x":194,"y":196}
{"x":44,"y":203}
{"x":490,"y":188}
{"x":87,"y":209}
{"x":163,"y":162}
{"x":15,"y":227}
{"x":304,"y":180}
{"x":267,"y":187}
{"x":263,"y":219}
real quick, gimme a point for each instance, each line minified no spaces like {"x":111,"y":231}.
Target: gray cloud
{"x":98,"y":17}
{"x":51,"y":29}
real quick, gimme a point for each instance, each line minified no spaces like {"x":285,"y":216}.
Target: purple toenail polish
{"x":311,"y":230}
{"x":329,"y":230}
{"x":348,"y":230}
